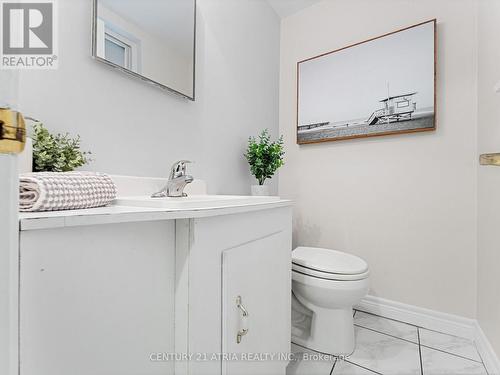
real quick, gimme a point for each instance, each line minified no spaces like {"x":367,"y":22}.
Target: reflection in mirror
{"x":153,"y":39}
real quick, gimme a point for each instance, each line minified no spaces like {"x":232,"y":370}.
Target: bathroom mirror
{"x":149,"y":39}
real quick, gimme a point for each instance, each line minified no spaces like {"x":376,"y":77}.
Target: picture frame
{"x":381,"y":86}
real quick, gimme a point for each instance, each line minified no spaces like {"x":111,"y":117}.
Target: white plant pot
{"x":260,"y":190}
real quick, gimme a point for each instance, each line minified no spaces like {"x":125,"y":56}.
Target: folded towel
{"x":52,"y":191}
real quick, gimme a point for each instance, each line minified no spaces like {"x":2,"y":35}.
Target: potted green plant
{"x":56,"y":152}
{"x":264,"y":157}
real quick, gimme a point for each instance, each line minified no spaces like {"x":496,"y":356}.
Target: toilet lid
{"x":330,"y":261}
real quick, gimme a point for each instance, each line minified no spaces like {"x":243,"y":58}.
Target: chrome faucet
{"x":177,"y":181}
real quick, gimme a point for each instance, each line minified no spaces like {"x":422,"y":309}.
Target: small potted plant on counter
{"x":264,"y":157}
{"x":56,"y":152}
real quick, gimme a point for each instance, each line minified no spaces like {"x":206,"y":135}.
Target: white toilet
{"x":329,"y":283}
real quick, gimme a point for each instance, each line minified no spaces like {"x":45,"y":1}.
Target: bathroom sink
{"x":194,"y":202}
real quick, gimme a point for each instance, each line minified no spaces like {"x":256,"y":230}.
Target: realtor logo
{"x":28,"y":34}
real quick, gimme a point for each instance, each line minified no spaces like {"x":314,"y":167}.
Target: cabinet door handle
{"x":244,"y":320}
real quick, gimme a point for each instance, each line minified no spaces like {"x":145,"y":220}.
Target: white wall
{"x":404,"y":203}
{"x":133,"y":128}
{"x":489,"y":177}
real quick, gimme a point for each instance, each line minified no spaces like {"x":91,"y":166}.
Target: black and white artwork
{"x":385,"y":85}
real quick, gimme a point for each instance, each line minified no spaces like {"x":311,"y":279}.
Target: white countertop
{"x":121,"y":213}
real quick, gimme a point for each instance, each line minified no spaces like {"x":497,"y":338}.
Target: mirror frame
{"x":137,"y":75}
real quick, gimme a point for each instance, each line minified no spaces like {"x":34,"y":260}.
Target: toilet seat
{"x":328,"y":264}
{"x":327,"y":275}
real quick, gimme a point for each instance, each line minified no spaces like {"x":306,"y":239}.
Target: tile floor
{"x":389,"y":347}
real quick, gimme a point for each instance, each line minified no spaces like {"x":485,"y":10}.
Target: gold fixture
{"x":12,"y":131}
{"x":490,"y":159}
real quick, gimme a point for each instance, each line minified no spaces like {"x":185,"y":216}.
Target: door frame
{"x":9,"y":265}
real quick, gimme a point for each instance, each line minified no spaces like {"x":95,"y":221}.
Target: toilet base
{"x":332,"y":332}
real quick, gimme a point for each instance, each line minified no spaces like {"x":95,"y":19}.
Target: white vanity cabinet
{"x":118,"y":298}
{"x":254,"y":308}
{"x":246,"y":255}
{"x":97,"y":299}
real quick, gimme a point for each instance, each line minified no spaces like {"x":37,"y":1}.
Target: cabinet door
{"x":257,"y":274}
{"x":98,"y":300}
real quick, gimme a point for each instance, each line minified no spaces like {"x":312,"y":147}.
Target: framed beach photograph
{"x":384,"y":85}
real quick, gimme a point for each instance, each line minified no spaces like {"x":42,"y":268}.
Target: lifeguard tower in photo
{"x":396,"y":108}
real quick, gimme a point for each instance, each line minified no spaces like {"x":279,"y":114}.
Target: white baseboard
{"x":486,"y":352}
{"x":419,"y":316}
{"x":437,"y":321}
